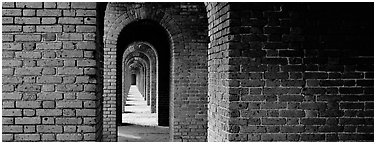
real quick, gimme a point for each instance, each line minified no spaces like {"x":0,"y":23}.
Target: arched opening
{"x":182,"y":51}
{"x":133,"y":79}
{"x":152,"y":33}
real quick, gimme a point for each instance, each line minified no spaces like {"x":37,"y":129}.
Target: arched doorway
{"x":186,"y":80}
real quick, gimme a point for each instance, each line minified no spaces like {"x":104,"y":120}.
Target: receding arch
{"x":123,"y":15}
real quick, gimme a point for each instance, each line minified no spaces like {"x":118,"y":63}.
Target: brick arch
{"x":112,"y":31}
{"x":125,"y":74}
{"x":151,"y":54}
{"x":145,"y":74}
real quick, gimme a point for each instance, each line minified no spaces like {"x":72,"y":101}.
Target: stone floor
{"x":139,"y":124}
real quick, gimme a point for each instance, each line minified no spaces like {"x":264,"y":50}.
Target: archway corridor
{"x":138,"y":123}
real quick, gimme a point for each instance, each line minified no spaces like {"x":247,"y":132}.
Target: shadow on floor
{"x":140,"y":133}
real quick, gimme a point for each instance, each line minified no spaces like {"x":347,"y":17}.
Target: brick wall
{"x":49,"y":68}
{"x":297,"y":72}
{"x":184,"y":57}
{"x":218,"y":67}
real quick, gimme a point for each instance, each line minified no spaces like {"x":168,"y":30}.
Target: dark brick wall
{"x":271,"y":71}
{"x":49,"y":72}
{"x":297,"y":72}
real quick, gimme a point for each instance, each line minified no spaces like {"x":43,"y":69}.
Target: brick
{"x":253,"y":113}
{"x":50,"y":129}
{"x":27,"y":38}
{"x":316,"y":75}
{"x":273,"y":105}
{"x":69,"y":88}
{"x":292,"y":113}
{"x":85,"y":12}
{"x":86,"y":28}
{"x":69,"y":121}
{"x":29,"y":28}
{"x":48,"y":104}
{"x":26,"y":55}
{"x":313,"y":106}
{"x":49,"y":79}
{"x":70,"y":71}
{"x":312,"y":137}
{"x":49,"y":12}
{"x":49,"y":96}
{"x":8,"y":120}
{"x":8,"y":5}
{"x":90,"y":120}
{"x":28,"y":88}
{"x":273,"y":121}
{"x":87,"y":45}
{"x":27,"y":20}
{"x":86,"y":96}
{"x":49,"y":45}
{"x":86,"y":112}
{"x":28,"y":12}
{"x":49,"y":5}
{"x":70,"y":20}
{"x":85,"y":129}
{"x":11,"y":12}
{"x":49,"y":36}
{"x":8,"y":104}
{"x":273,"y":137}
{"x":8,"y":71}
{"x":70,"y":129}
{"x":8,"y":88}
{"x":355,"y":137}
{"x":11,"y":96}
{"x":49,"y":112}
{"x":290,"y":98}
{"x":69,"y":112}
{"x":70,"y":36}
{"x":7,"y":137}
{"x":89,"y":136}
{"x":12,"y":28}
{"x":11,"y":63}
{"x":48,"y":120}
{"x":86,"y":62}
{"x":28,"y":112}
{"x":63,"y":4}
{"x":50,"y":63}
{"x":12,"y":112}
{"x":27,"y":137}
{"x":50,"y":20}
{"x":69,"y":137}
{"x":292,"y":129}
{"x":27,"y":120}
{"x":54,"y":28}
{"x":83,"y":5}
{"x":12,"y":46}
{"x":69,"y":104}
{"x":252,"y":129}
{"x":28,"y":71}
{"x":9,"y":20}
{"x":28,"y":4}
{"x":7,"y":38}
{"x":48,"y":137}
{"x":28,"y":104}
{"x":28,"y":46}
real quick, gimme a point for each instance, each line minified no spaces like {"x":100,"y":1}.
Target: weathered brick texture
{"x":291,"y":72}
{"x":243,"y":72}
{"x":41,"y":62}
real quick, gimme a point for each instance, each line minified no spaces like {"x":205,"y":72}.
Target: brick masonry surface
{"x":219,"y":71}
{"x":49,"y":68}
